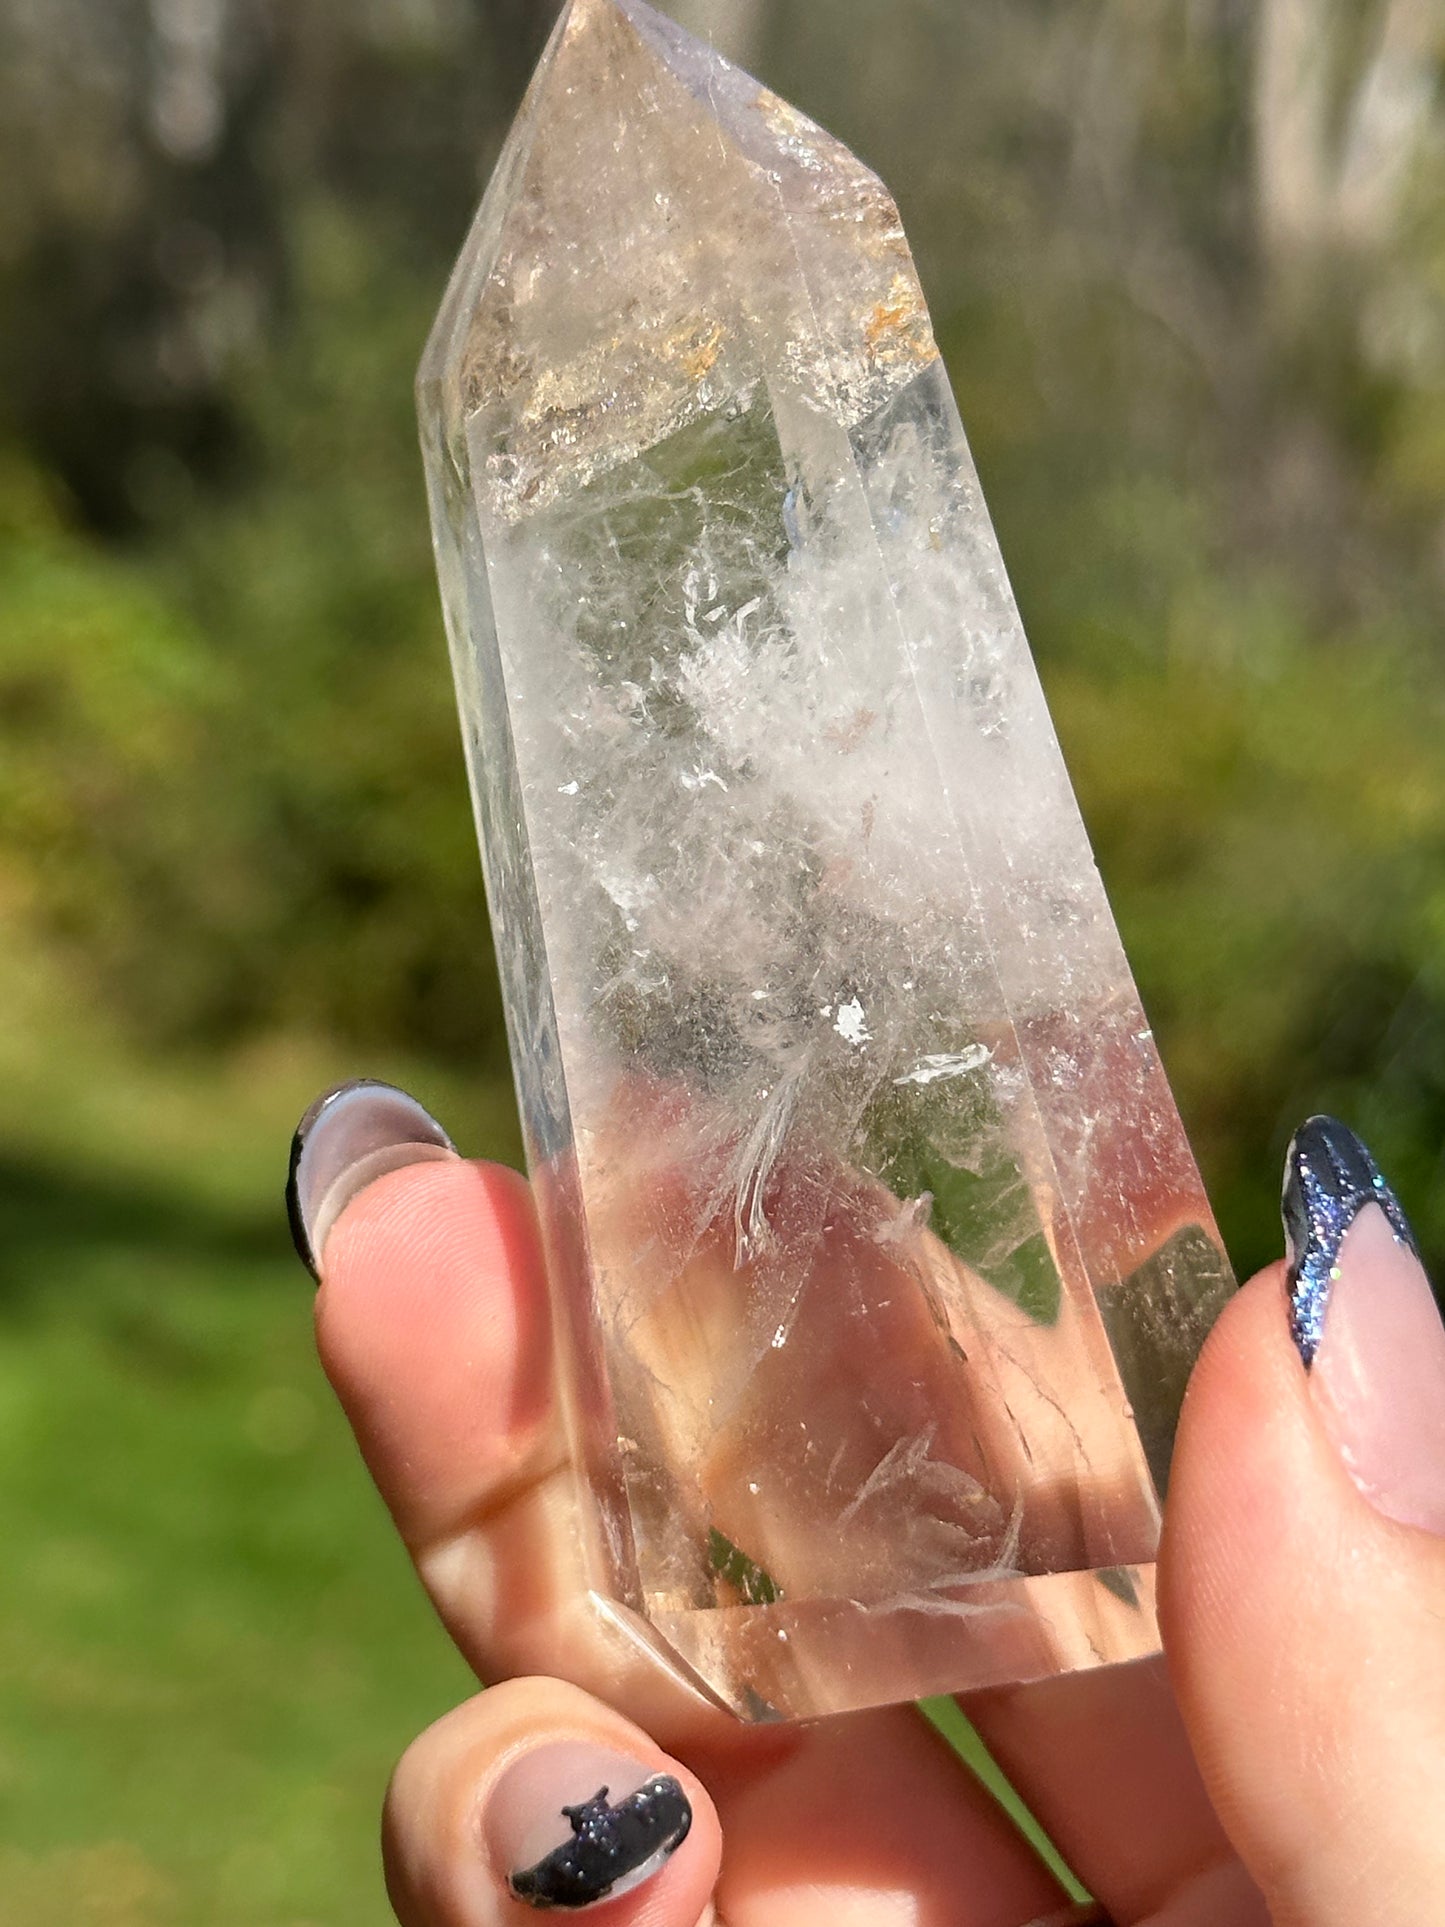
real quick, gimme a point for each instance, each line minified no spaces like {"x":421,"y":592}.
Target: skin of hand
{"x":1286,"y":1766}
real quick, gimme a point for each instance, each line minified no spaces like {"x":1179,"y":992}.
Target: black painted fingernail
{"x":351,"y":1136}
{"x":572,"y":1824}
{"x":1329,"y":1178}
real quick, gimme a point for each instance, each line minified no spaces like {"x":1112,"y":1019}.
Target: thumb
{"x":1303,"y":1568}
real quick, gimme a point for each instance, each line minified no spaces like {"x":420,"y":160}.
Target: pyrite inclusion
{"x":878,"y":1254}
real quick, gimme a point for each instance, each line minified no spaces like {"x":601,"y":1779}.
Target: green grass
{"x":947,"y":1716}
{"x":212,"y":1648}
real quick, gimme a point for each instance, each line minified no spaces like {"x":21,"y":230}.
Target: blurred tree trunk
{"x":1392,"y":120}
{"x":1332,"y":172}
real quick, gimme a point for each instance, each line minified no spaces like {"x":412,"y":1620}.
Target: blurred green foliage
{"x":1193,"y":302}
{"x":212,"y":1648}
{"x":1208,"y":403}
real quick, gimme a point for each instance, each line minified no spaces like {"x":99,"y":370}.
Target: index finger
{"x":433,"y":1327}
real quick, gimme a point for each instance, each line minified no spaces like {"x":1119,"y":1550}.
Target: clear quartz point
{"x":878,"y":1254}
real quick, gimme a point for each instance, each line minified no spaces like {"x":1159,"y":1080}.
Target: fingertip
{"x":1248,"y":1382}
{"x":480,"y":1813}
{"x":429,"y":1220}
{"x":1266,"y":1534}
{"x":1245,"y":1443}
{"x":432,"y":1325}
{"x":423,"y":1258}
{"x":1301,"y":1627}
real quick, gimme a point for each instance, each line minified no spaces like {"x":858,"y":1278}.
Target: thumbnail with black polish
{"x":612,"y":1849}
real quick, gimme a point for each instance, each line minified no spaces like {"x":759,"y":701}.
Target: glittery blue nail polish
{"x":1329,"y":1178}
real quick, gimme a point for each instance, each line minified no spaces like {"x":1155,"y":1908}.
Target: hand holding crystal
{"x":1302,"y":1588}
{"x":875,"y":1254}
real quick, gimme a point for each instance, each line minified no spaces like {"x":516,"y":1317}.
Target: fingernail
{"x":570,"y":1824}
{"x":1366,"y":1323}
{"x":350,"y":1137}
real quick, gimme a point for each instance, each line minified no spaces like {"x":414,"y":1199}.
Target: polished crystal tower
{"x":878,"y":1255}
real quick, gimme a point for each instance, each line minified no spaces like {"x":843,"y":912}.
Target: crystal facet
{"x":878,"y":1254}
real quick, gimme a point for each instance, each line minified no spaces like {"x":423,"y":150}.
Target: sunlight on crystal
{"x":879,"y":1256}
